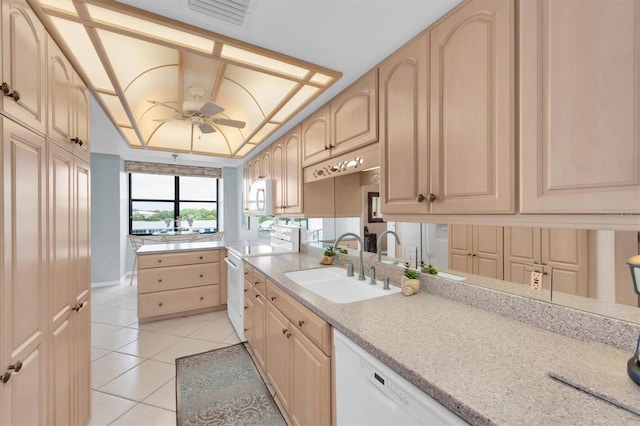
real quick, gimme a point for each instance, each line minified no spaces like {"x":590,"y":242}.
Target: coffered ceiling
{"x":265,"y":65}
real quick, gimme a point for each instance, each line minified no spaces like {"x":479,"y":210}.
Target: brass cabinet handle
{"x":468,"y":254}
{"x":246,"y":307}
{"x":326,"y":148}
{"x":273,"y":298}
{"x":245,"y":290}
{"x":473,"y":254}
{"x":6,"y":376}
{"x":246,"y":329}
{"x":257,"y":282}
{"x":420,"y":198}
{"x":288,"y":335}
{"x":160,"y":304}
{"x":432,"y":197}
{"x":77,"y":141}
{"x":300,"y":323}
{"x":15,"y":95}
{"x":78,"y":307}
{"x":6,"y":90}
{"x":16,"y":367}
{"x":284,"y":331}
{"x":257,"y":295}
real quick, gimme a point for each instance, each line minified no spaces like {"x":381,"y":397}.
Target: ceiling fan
{"x":200,"y":113}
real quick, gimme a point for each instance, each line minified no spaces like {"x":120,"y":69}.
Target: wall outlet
{"x":411,"y":255}
{"x":536,"y":281}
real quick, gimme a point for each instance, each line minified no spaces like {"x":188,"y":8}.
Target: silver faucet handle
{"x":349,"y":269}
{"x":385,"y":283}
{"x":372,"y":273}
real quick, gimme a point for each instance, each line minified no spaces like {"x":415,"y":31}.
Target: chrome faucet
{"x":360,"y":247}
{"x":380,"y":240}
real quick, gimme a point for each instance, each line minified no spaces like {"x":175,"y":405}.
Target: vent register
{"x":235,"y":12}
{"x":129,"y":57}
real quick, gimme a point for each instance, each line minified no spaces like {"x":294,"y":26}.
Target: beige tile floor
{"x":133,"y":365}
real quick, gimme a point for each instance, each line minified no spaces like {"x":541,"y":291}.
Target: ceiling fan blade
{"x":210,"y":108}
{"x":164,"y":120}
{"x":179,"y":111}
{"x":227,"y":122}
{"x":207,"y":128}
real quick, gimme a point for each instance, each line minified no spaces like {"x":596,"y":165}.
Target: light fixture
{"x":633,"y":365}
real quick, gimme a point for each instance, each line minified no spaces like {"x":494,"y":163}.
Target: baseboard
{"x":125,"y":279}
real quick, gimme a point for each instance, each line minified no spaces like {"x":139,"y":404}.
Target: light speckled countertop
{"x":182,"y":246}
{"x":485,"y":367}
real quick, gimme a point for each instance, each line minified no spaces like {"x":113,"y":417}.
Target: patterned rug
{"x":223,"y":387}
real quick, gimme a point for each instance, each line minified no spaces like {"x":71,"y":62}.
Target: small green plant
{"x":410,"y":273}
{"x":329,"y":251}
{"x":428,"y":269}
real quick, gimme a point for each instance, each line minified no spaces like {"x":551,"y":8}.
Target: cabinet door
{"x":354,"y":115}
{"x":24,"y":277}
{"x":404,"y":156}
{"x":256,"y":168}
{"x":246,"y":181}
{"x":460,"y":248}
{"x":61,"y":97}
{"x":579,"y":101}
{"x":521,"y":247}
{"x":310,"y":401}
{"x":82,"y":145}
{"x":316,"y":131}
{"x":488,"y":251}
{"x":259,"y":329}
{"x":277,"y":174}
{"x":566,"y":251}
{"x":60,"y":284}
{"x":81,"y":290}
{"x":472,"y":109}
{"x":278,"y":353}
{"x":265,"y":164}
{"x":292,"y":172}
{"x":24,"y":64}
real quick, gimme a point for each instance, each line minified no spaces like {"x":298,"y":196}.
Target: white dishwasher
{"x":370,"y":393}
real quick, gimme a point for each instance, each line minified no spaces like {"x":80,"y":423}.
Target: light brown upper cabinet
{"x":404,"y":145}
{"x":579,"y":101}
{"x":80,"y":129}
{"x":349,"y":121}
{"x":286,"y":170}
{"x":472,"y":110}
{"x":265,"y":164}
{"x":316,"y":132}
{"x":476,"y":249}
{"x":61,"y":96}
{"x":23,"y":65}
{"x":256,"y":168}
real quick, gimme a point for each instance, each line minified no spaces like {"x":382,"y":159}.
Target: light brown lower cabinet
{"x":297,"y":350}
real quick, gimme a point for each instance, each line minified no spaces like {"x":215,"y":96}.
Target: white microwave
{"x":261,"y":198}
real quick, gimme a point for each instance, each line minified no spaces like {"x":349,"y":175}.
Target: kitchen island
{"x":484,"y":367}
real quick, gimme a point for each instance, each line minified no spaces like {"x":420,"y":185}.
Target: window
{"x":159,"y":203}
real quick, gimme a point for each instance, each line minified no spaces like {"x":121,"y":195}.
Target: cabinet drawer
{"x":248,"y":273}
{"x":175,"y":277}
{"x":170,"y":259}
{"x":183,"y":300}
{"x":314,"y":327}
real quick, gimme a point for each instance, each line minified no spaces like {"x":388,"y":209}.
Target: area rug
{"x":223,"y":387}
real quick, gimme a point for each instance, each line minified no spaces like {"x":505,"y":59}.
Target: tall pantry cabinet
{"x":45,"y":227}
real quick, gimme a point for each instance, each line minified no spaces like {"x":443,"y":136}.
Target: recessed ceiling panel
{"x":76,"y":38}
{"x":203,"y":80}
{"x":304,"y":95}
{"x":150,"y":29}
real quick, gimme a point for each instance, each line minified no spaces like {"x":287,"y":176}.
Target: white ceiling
{"x":349,"y":36}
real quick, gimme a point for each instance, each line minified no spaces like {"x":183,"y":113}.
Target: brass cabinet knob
{"x":16,"y":367}
{"x":6,"y":89}
{"x":201,"y":297}
{"x":159,"y":280}
{"x":6,"y":376}
{"x":300,"y":323}
{"x":15,"y":95}
{"x":288,"y":335}
{"x":273,"y":298}
{"x":160,"y":304}
{"x":420,"y":198}
{"x":257,"y":295}
{"x":432,"y":197}
{"x":201,"y":258}
{"x":159,"y":260}
{"x":201,"y":275}
{"x":284,"y":331}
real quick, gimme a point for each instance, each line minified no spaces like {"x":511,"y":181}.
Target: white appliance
{"x":283,"y":239}
{"x":370,"y":393}
{"x":261,"y":198}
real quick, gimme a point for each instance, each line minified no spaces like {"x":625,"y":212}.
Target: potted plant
{"x":330,"y":254}
{"x":410,"y":283}
{"x":428,"y":269}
